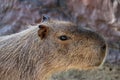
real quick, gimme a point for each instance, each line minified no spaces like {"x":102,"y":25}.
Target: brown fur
{"x":27,"y":56}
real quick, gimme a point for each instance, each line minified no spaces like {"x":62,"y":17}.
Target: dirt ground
{"x":106,"y":72}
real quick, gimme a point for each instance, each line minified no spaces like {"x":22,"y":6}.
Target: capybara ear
{"x":43,"y":31}
{"x":45,"y":18}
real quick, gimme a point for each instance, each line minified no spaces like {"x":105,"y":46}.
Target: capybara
{"x":51,"y":46}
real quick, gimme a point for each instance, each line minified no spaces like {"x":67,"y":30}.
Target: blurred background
{"x":102,"y":16}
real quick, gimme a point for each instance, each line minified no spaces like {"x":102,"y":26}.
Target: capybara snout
{"x":40,"y":51}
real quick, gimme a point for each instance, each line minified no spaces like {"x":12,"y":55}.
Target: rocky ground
{"x":102,"y":16}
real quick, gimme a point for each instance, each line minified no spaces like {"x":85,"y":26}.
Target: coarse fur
{"x":35,"y":54}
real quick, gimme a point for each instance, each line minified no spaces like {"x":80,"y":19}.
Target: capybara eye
{"x":64,"y":37}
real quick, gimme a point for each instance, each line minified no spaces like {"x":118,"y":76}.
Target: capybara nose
{"x":103,"y":47}
{"x":94,"y":45}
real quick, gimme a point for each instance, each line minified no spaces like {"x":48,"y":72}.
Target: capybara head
{"x":70,"y":47}
{"x":40,"y":51}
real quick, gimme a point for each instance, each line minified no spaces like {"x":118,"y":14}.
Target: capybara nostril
{"x":103,"y":47}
